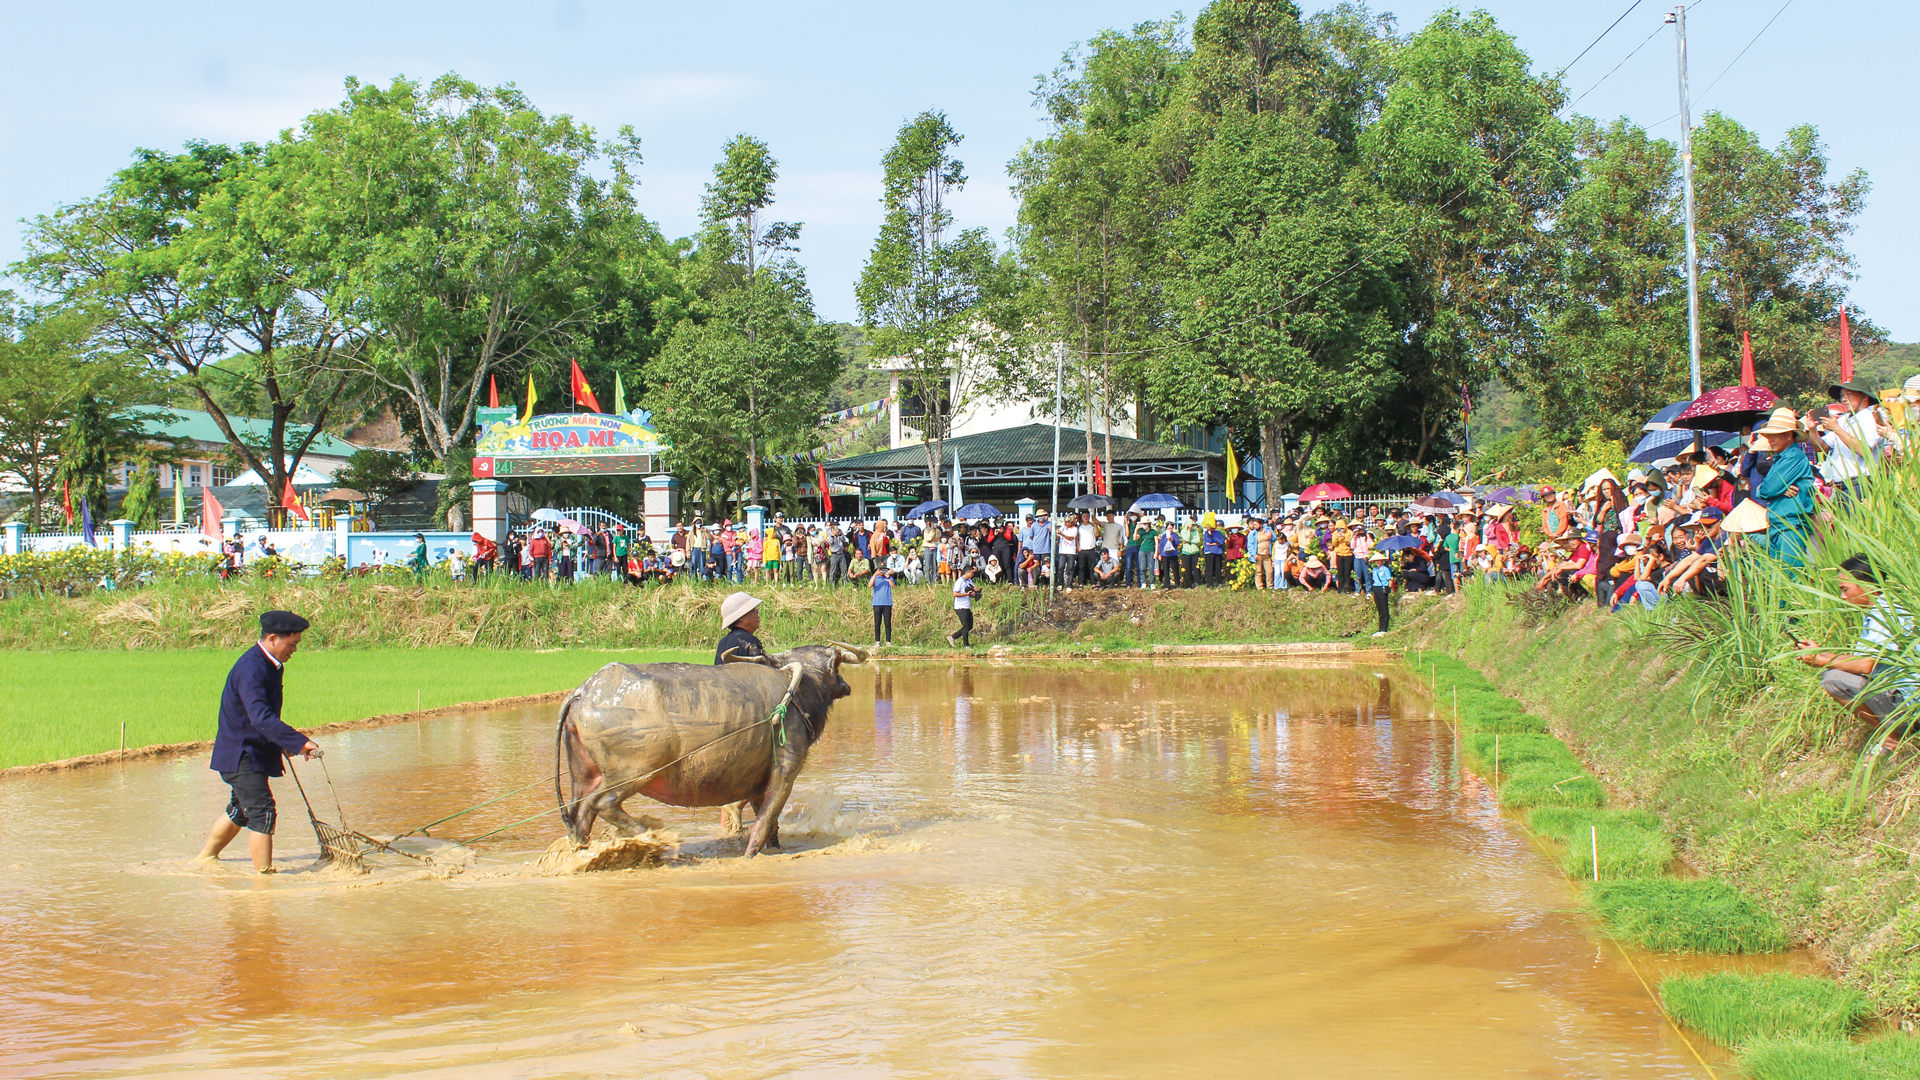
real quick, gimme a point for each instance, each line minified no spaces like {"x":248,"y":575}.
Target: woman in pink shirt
{"x":755,"y":549}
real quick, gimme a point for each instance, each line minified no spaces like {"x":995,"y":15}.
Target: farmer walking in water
{"x":252,"y":738}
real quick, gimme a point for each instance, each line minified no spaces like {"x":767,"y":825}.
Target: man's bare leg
{"x":259,"y":844}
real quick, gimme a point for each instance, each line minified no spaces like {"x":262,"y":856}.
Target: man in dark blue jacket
{"x":252,"y":739}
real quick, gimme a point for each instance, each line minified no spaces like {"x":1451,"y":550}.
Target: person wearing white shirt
{"x":1069,"y":549}
{"x":1852,"y":439}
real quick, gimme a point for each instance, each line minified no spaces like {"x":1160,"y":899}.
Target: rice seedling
{"x":1562,"y":823}
{"x":1540,"y":784}
{"x":1701,"y":915}
{"x":1733,"y":1008}
{"x":1625,"y":852}
{"x":1895,"y":1057}
{"x":1518,"y":749}
{"x":62,"y":705}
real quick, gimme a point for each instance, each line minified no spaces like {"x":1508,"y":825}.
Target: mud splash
{"x":996,"y":870}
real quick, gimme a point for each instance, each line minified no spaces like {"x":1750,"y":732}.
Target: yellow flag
{"x":1233,"y":471}
{"x":529,"y":415}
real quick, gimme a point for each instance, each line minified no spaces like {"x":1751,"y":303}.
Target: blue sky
{"x":828,"y":84}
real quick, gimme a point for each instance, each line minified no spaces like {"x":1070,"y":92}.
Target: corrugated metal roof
{"x":199,"y":426}
{"x":1030,"y":444}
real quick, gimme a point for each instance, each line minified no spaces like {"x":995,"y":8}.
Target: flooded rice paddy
{"x":991,"y":870}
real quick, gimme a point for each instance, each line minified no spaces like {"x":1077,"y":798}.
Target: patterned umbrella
{"x":1657,"y":446}
{"x":1325,"y":491}
{"x":1434,"y":502}
{"x":1728,"y":408}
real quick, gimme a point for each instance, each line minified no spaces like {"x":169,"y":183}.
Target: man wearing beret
{"x":252,"y":739}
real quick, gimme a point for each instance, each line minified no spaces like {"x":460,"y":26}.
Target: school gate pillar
{"x":122,"y":533}
{"x":661,"y":505}
{"x":16,"y":538}
{"x":489,"y":510}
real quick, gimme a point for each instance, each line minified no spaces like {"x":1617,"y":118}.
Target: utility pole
{"x":1678,"y":17}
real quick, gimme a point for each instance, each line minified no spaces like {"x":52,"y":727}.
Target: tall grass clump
{"x":1692,"y":916}
{"x":1545,"y":784}
{"x":1744,"y":641}
{"x":1733,"y":1008}
{"x":1895,"y":1057}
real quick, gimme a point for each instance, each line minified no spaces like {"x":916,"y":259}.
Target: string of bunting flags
{"x":872,"y":409}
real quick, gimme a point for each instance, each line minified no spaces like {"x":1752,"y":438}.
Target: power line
{"x":1729,"y":67}
{"x":1618,"y":66}
{"x":1596,"y":41}
{"x":1743,"y":52}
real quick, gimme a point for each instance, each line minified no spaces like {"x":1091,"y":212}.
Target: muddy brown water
{"x":1131,"y":870}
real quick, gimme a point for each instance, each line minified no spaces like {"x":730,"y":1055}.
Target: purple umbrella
{"x":1729,"y":408}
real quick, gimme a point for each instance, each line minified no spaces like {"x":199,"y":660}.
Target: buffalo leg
{"x":607,"y":805}
{"x":766,"y":809}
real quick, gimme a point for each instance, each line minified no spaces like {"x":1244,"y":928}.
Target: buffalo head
{"x":820,"y":681}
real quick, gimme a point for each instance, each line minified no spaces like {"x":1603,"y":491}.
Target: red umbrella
{"x":1729,"y":408}
{"x":1325,"y":491}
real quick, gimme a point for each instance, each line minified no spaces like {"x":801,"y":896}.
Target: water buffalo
{"x":693,"y":735}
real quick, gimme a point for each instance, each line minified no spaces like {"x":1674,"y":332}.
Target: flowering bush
{"x":79,"y":570}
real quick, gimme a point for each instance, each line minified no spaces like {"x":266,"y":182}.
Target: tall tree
{"x":1468,"y":140}
{"x":1087,"y":228}
{"x":470,"y":228}
{"x":751,"y":372}
{"x":196,"y":263}
{"x":921,"y":290}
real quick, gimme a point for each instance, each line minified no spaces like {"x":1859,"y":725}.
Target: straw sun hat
{"x":1781,"y":421}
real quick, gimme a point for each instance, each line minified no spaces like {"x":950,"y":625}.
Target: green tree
{"x":471,"y":230}
{"x":1087,"y":234}
{"x":922,"y":290}
{"x":750,"y":374}
{"x":198,"y":258}
{"x":51,"y":366}
{"x":1469,"y":142}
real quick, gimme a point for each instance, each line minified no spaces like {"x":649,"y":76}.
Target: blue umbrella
{"x":1660,"y":444}
{"x":1156,"y":502}
{"x":976,"y":511}
{"x":927,"y":508}
{"x":1663,"y":420}
{"x":1396,"y":543}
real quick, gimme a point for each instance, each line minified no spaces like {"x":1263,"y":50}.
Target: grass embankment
{"x":55,"y":706}
{"x":685,"y":615}
{"x":1791,"y":858}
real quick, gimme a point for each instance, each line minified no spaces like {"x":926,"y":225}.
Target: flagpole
{"x":1053,"y":499}
{"x":1679,"y":20}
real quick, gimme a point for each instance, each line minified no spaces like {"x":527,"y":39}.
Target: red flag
{"x":1746,"y":360}
{"x":210,"y":512}
{"x":1846,"y":349}
{"x":291,"y":501}
{"x":493,"y":393}
{"x":66,"y":499}
{"x":826,"y":499}
{"x":581,"y":394}
{"x":1099,"y":478}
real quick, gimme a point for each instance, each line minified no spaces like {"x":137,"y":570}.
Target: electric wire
{"x":1729,"y":67}
{"x":1618,"y":66}
{"x":1603,"y":34}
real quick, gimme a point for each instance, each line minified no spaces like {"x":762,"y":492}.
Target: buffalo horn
{"x":845,"y":653}
{"x":732,"y":656}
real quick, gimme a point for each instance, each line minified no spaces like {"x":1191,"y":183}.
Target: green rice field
{"x":65,"y":704}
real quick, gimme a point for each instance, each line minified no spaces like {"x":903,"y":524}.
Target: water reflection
{"x":1001,"y":870}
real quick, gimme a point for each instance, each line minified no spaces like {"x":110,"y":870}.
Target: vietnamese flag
{"x":826,"y":500}
{"x":581,"y":393}
{"x":291,"y":501}
{"x":210,"y":512}
{"x":1746,"y":361}
{"x":1846,"y":348}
